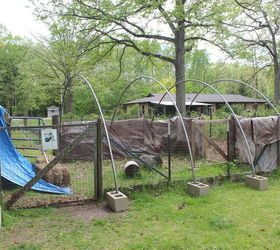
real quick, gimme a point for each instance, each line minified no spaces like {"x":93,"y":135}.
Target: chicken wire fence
{"x":78,"y":175}
{"x":158,"y":154}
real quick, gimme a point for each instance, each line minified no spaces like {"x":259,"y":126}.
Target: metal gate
{"x":85,"y":177}
{"x":27,"y":140}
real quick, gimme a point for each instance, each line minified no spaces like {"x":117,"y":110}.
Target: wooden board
{"x":211,"y":121}
{"x":214,"y":144}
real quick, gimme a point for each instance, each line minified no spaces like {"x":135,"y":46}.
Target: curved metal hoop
{"x":235,"y":81}
{"x":177,"y":110}
{"x":103,"y":121}
{"x":231,"y":110}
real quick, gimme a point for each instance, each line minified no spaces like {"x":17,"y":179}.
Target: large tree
{"x":255,"y":25}
{"x":136,"y":24}
{"x":60,"y":57}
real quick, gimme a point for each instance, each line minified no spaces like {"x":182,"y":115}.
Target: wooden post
{"x":98,"y":171}
{"x":203,"y":141}
{"x":55,"y":122}
{"x":213,"y":143}
{"x":231,"y":139}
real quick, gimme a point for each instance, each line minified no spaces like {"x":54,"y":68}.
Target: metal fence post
{"x":55,"y":122}
{"x":169,"y":151}
{"x":98,"y":171}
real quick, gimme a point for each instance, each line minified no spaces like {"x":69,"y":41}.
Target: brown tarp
{"x":84,"y":150}
{"x":262,"y":134}
{"x":139,"y":136}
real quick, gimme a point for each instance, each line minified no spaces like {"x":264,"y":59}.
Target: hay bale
{"x":58,"y":175}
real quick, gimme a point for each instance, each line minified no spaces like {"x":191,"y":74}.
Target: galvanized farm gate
{"x":32,"y":136}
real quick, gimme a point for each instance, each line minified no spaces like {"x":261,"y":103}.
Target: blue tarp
{"x":16,"y":168}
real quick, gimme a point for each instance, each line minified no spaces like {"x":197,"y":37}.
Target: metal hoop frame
{"x":177,"y":110}
{"x":231,"y":110}
{"x":103,"y":121}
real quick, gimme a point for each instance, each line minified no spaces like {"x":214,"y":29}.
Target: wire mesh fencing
{"x":142,"y":140}
{"x":158,"y":149}
{"x":74,"y":175}
{"x":171,"y":146}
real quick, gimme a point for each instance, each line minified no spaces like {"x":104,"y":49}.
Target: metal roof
{"x":202,"y":98}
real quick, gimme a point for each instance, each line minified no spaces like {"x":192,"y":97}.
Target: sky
{"x":18,"y":19}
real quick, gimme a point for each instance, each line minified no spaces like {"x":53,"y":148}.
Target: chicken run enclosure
{"x":92,"y":157}
{"x":157,"y":147}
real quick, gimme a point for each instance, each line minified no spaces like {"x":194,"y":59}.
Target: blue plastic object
{"x":16,"y":168}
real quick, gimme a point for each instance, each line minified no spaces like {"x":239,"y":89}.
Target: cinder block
{"x":197,"y":189}
{"x":256,"y":182}
{"x":117,"y":201}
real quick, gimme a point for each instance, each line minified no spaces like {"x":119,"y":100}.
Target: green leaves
{"x":12,"y":53}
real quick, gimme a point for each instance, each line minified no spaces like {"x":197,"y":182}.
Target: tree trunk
{"x":180,"y":67}
{"x":69,"y":97}
{"x":276,"y":66}
{"x":276,"y":85}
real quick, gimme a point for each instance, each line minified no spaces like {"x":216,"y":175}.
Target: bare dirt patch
{"x":87,"y":212}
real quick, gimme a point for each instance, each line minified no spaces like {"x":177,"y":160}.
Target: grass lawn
{"x":232,"y":216}
{"x":82,"y":178}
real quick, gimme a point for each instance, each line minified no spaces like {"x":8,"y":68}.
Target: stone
{"x":197,"y":189}
{"x":152,"y":160}
{"x":257,"y":182}
{"x":117,"y":201}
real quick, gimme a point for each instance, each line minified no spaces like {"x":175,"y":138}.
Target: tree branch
{"x":132,"y":44}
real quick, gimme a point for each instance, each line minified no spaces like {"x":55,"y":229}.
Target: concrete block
{"x":117,"y":201}
{"x":197,"y":189}
{"x":256,"y":182}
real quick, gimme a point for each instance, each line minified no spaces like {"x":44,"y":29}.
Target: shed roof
{"x":202,"y":98}
{"x":53,"y":107}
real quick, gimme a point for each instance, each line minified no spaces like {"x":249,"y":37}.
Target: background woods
{"x":111,"y":42}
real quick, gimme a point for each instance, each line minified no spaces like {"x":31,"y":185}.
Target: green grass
{"x":82,"y":177}
{"x":232,"y":216}
{"x":181,"y":169}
